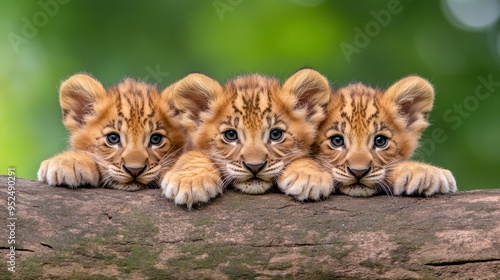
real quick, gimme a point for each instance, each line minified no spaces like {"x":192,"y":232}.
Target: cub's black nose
{"x":255,"y":167}
{"x":360,"y":172}
{"x":134,"y":171}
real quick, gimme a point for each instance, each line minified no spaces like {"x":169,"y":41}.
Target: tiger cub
{"x":369,"y":136}
{"x":243,"y":134}
{"x":121,"y":138}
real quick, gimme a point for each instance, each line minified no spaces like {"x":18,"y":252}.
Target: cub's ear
{"x":311,"y":92}
{"x":77,"y":96}
{"x":192,"y":96}
{"x":167,"y":102}
{"x":413,"y":96}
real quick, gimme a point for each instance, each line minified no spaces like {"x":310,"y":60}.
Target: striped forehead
{"x":251,"y":102}
{"x":360,"y":109}
{"x":135,"y":105}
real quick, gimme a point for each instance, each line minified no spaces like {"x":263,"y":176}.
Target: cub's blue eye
{"x":380,"y":141}
{"x":231,"y":135}
{"x":113,"y":138}
{"x":156,"y":139}
{"x":337,"y":141}
{"x":276,"y":134}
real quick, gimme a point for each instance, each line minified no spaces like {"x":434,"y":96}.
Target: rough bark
{"x":104,"y":233}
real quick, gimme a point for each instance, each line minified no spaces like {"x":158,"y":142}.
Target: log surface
{"x":94,"y":233}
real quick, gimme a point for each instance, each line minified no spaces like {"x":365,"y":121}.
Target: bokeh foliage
{"x":161,"y":41}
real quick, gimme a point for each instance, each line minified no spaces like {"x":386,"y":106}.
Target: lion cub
{"x":245,"y":133}
{"x":369,"y":135}
{"x":121,"y":138}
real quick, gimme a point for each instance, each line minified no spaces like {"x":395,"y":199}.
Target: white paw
{"x":188,"y":188}
{"x":306,"y":184}
{"x":423,"y":179}
{"x":71,"y":169}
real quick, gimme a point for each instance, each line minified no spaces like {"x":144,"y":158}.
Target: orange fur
{"x":369,"y":136}
{"x":132,"y":114}
{"x":245,"y":132}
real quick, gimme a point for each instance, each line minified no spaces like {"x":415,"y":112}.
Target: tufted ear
{"x":311,"y":92}
{"x":413,"y":96}
{"x":77,"y":96}
{"x":192,"y":96}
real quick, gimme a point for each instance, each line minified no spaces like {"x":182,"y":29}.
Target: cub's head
{"x":367,"y":131}
{"x":252,"y":127}
{"x":123,"y":128}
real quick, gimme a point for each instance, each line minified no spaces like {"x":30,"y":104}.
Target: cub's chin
{"x":253,"y":186}
{"x":359,"y":190}
{"x":130,"y":187}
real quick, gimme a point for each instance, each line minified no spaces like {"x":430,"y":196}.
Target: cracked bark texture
{"x":108,"y":234}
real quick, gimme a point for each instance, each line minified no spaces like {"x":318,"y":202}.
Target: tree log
{"x":97,"y":233}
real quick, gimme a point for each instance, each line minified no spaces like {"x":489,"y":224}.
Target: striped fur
{"x":132,"y":111}
{"x":247,"y":131}
{"x":369,"y":135}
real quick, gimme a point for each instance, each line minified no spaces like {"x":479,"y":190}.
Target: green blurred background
{"x":454,"y":44}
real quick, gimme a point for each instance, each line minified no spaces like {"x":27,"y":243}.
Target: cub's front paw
{"x":417,"y":178}
{"x":306,"y":179}
{"x":71,"y":169}
{"x":192,"y":180}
